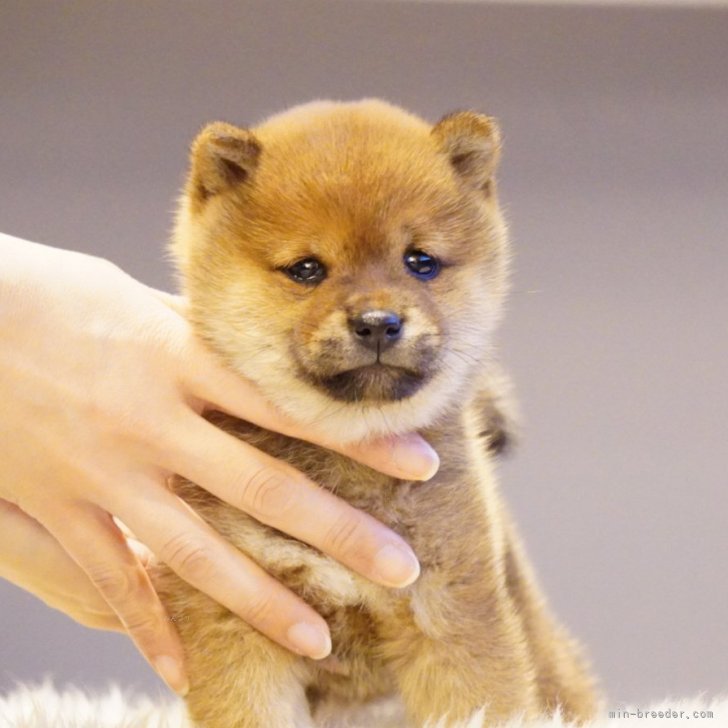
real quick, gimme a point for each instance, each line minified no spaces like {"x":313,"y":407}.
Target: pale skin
{"x":103,"y":386}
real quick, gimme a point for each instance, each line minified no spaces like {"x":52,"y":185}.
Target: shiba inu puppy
{"x":351,"y":260}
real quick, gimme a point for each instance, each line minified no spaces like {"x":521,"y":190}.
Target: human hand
{"x":103,"y":385}
{"x":31,"y":558}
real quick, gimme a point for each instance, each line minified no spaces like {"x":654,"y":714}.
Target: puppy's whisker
{"x":464,"y":355}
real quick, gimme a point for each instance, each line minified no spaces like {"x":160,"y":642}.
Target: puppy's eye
{"x":421,"y":264}
{"x":308,"y":270}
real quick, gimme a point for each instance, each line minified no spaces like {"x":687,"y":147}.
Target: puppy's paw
{"x":497,"y":411}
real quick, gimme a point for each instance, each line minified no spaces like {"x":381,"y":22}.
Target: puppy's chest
{"x":432,"y":517}
{"x":319,"y":579}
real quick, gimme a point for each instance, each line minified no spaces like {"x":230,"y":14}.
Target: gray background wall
{"x":615,"y":181}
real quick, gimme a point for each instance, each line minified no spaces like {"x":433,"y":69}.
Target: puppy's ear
{"x":223,"y":156}
{"x":472,"y":142}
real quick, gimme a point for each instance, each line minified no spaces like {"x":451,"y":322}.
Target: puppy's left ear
{"x":472,"y":142}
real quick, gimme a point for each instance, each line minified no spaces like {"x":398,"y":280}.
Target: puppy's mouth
{"x":376,"y":382}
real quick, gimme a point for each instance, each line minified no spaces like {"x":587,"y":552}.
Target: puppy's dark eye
{"x":421,"y":264}
{"x":308,"y":270}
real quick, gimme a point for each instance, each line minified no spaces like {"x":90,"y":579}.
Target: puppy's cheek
{"x":426,"y":329}
{"x":425,"y":341}
{"x":419,"y":323}
{"x":320,"y":344}
{"x":323,"y":357}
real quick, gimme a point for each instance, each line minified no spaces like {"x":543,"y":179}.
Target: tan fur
{"x":356,"y":185}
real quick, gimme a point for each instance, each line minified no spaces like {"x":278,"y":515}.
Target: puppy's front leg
{"x":448,"y":670}
{"x":238,"y":677}
{"x":245,"y":683}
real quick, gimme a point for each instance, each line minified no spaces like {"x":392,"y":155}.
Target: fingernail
{"x":396,"y":566}
{"x":173,"y":673}
{"x":415,"y":457}
{"x":310,"y":640}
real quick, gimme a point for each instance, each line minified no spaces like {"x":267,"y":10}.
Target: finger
{"x":406,"y":457}
{"x":190,"y":547}
{"x":32,"y":559}
{"x":100,"y":622}
{"x":100,"y":549}
{"x":278,"y":495}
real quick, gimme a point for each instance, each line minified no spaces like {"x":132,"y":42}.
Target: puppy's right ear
{"x":223,"y":156}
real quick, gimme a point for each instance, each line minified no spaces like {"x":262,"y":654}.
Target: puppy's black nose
{"x":377,"y":330}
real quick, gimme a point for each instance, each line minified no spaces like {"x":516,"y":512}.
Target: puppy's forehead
{"x":347,"y":182}
{"x":351,"y":158}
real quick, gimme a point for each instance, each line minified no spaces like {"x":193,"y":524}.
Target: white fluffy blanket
{"x":45,"y":707}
